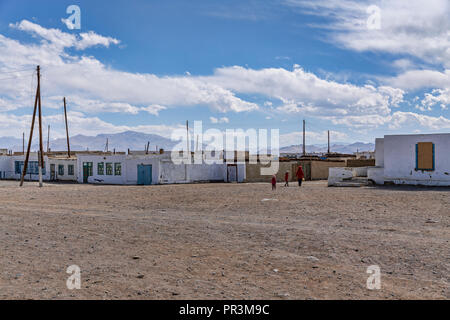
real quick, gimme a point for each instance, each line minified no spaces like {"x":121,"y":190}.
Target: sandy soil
{"x":223,"y":241}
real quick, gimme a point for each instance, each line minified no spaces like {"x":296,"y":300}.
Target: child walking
{"x":286,"y":179}
{"x":274,"y":182}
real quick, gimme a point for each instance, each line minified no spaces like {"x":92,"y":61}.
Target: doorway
{"x":87,"y":171}
{"x":144,"y":172}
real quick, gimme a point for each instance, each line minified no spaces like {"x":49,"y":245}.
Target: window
{"x":18,"y":167}
{"x":33,"y":167}
{"x":425,"y":156}
{"x":60,"y":169}
{"x":109,"y":169}
{"x":117,"y":169}
{"x":101,"y":168}
{"x":70,"y":169}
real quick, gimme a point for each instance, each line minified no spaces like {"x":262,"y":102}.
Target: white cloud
{"x":413,"y":119}
{"x":301,"y":91}
{"x":154,"y":109}
{"x":439,"y":97}
{"x":87,"y":78}
{"x":60,"y":39}
{"x":417,"y":79}
{"x":415,"y":27}
{"x":219,"y":120}
{"x":397,"y":120}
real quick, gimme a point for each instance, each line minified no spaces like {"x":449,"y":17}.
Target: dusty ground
{"x":208,"y":241}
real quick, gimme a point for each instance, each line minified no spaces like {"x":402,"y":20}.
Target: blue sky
{"x":151,"y":65}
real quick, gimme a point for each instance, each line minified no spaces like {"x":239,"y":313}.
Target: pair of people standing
{"x":300,"y":176}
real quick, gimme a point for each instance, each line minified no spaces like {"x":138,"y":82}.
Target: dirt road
{"x":224,"y":241}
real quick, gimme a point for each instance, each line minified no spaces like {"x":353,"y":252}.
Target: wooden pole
{"x":48,"y":139}
{"x":304,"y":147}
{"x":41,"y":148}
{"x":328,"y":141}
{"x":187,"y":135}
{"x":25,"y":165}
{"x":67,"y":128}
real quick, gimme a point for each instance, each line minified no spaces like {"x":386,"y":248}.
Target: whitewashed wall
{"x":400,"y":159}
{"x":6,"y":167}
{"x":96,"y":178}
{"x":9,"y":168}
{"x":65,"y":163}
{"x":379,"y":152}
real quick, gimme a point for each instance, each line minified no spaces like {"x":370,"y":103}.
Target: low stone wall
{"x":338,"y":175}
{"x":320,"y":169}
{"x":253,"y":171}
{"x":376,"y":174}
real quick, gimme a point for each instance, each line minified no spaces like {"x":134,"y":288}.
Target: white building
{"x":121,"y":169}
{"x":152,"y":169}
{"x":419,"y":159}
{"x":55,"y":168}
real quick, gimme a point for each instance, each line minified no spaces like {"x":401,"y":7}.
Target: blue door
{"x":144,"y":174}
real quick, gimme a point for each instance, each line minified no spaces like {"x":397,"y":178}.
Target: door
{"x":144,"y":172}
{"x":52,"y":172}
{"x":232,"y":175}
{"x":87,"y":171}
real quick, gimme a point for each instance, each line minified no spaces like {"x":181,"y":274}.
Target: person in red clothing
{"x":300,"y":175}
{"x":286,"y":179}
{"x":274,"y":182}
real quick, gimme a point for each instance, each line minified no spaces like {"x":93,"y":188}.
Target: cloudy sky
{"x":361,"y":69}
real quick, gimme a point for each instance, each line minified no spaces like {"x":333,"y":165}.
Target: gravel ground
{"x":223,"y":241}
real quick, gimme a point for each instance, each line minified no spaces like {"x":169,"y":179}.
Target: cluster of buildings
{"x":399,"y":159}
{"x":118,"y":168}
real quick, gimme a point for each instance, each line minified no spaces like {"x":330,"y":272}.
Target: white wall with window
{"x":62,"y":169}
{"x":417,"y":159}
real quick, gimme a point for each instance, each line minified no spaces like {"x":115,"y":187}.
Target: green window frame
{"x":109,"y":168}
{"x":101,"y":168}
{"x":33,"y":167}
{"x":60,"y":169}
{"x":70,"y":170}
{"x":117,"y":169}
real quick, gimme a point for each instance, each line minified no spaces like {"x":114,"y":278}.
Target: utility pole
{"x":304,"y":147}
{"x":41,"y":149}
{"x":48,"y":139}
{"x":23,"y":143}
{"x":187,"y":135}
{"x":106,"y":144}
{"x":328,"y":141}
{"x":67,"y":128}
{"x":25,"y":165}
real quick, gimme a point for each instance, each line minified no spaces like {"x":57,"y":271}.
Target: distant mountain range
{"x":137,"y":141}
{"x":119,"y":141}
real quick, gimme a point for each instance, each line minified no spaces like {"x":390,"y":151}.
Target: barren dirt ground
{"x":223,"y":241}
